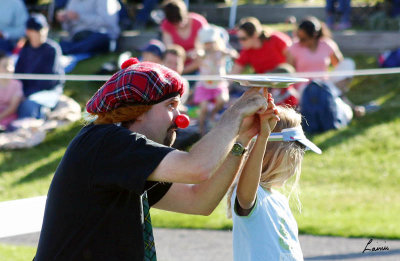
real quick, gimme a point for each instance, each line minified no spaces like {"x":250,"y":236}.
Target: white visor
{"x":294,"y":134}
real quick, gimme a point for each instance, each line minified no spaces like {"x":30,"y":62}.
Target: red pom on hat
{"x":129,"y":62}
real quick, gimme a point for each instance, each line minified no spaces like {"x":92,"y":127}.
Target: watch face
{"x":238,"y":149}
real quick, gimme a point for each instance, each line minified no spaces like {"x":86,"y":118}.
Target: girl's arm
{"x":336,"y":56}
{"x":289,"y":58}
{"x":250,"y":177}
{"x":166,"y":38}
{"x":237,"y":69}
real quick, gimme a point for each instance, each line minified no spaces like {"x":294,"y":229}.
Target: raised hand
{"x":250,"y":103}
{"x":269,"y":118}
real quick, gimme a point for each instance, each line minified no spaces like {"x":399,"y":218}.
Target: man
{"x":40,"y":55}
{"x":91,"y":24}
{"x":174,"y":58}
{"x":13,"y":16}
{"x":97,"y":205}
{"x":153,"y":51}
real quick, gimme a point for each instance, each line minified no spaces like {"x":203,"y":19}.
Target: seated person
{"x":13,"y":16}
{"x":324,"y":104}
{"x":39,"y":55}
{"x":314,"y":50}
{"x":174,"y":58}
{"x":181,"y":27}
{"x":288,"y":97}
{"x":91,"y":24}
{"x":10,"y":93}
{"x":342,"y":86}
{"x":153,"y":52}
{"x":262,"y":50}
{"x":214,"y":53}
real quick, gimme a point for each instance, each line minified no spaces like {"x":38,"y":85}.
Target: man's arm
{"x":203,"y":198}
{"x":208,"y":154}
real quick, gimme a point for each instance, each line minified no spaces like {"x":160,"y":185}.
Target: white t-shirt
{"x":269,"y":232}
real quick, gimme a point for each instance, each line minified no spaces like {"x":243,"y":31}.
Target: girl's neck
{"x":258,"y":43}
{"x":314,"y":46}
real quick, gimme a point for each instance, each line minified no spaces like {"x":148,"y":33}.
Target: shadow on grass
{"x":40,"y":172}
{"x":55,"y":140}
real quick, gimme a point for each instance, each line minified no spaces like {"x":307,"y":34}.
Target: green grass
{"x":16,"y":253}
{"x":349,"y":190}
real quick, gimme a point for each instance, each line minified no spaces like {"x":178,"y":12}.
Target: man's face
{"x":32,"y":35}
{"x":158,"y":124}
{"x":174,"y":62}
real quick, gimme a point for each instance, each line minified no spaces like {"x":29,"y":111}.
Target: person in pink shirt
{"x":313,"y":50}
{"x":10,"y":93}
{"x":261,"y":50}
{"x":181,"y":27}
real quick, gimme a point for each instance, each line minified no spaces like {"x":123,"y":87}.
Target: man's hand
{"x":250,"y":127}
{"x":250,"y":102}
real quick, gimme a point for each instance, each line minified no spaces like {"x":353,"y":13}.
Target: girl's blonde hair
{"x":282,"y":159}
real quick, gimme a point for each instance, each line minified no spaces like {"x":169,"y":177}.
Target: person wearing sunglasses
{"x":262,"y":50}
{"x":314,"y":50}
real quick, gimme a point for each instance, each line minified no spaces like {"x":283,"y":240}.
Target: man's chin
{"x":170,"y":139}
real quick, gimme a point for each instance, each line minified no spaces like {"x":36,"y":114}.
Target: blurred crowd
{"x":187,"y":43}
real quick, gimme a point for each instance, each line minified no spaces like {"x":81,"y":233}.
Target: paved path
{"x":210,"y":245}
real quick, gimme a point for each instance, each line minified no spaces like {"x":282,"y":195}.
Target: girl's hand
{"x":268,"y":119}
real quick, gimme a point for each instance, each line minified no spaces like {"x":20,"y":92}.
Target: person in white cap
{"x":263,"y":225}
{"x":214,"y":53}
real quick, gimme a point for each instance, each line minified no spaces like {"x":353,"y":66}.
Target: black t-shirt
{"x":93,"y":209}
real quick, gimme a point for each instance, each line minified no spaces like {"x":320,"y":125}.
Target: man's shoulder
{"x":52,"y":45}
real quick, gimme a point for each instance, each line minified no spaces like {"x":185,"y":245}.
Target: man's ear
{"x":141,"y":117}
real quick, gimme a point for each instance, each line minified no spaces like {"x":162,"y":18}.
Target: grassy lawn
{"x":16,"y":253}
{"x":349,"y":190}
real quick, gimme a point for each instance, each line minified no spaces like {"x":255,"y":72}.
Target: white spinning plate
{"x":264,"y":81}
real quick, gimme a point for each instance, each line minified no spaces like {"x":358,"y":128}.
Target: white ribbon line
{"x":103,"y":78}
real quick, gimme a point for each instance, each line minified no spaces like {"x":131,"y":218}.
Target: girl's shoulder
{"x":328,"y":43}
{"x":280,"y":36}
{"x":273,"y":196}
{"x":296,"y":45}
{"x":198,"y":18}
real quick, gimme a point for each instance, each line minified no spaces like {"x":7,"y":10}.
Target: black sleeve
{"x":156,"y":191}
{"x":126,"y":159}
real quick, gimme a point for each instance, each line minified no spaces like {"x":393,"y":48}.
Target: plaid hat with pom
{"x":137,"y":83}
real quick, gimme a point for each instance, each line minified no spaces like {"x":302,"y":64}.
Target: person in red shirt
{"x":261,"y":50}
{"x":181,"y":27}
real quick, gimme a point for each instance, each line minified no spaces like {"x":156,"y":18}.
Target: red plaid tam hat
{"x":141,"y":83}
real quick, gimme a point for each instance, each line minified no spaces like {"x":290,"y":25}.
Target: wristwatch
{"x":238,"y":149}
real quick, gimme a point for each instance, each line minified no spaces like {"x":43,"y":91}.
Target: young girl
{"x":263,"y":225}
{"x":214,"y":55}
{"x":10,"y":93}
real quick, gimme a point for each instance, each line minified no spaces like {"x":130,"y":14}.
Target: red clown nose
{"x":182,"y":121}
